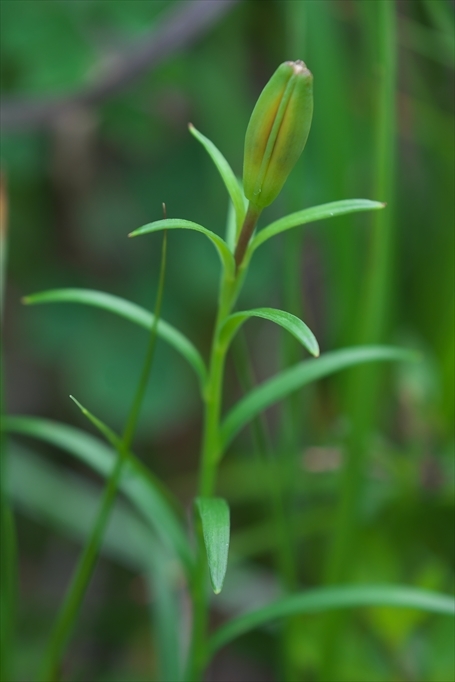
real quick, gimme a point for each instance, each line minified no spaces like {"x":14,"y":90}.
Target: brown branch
{"x":178,"y":29}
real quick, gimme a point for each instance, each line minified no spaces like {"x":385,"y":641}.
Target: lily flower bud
{"x":277,"y":132}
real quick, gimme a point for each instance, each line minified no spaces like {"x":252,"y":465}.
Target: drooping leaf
{"x":222,"y":248}
{"x":226,"y":173}
{"x":328,"y":598}
{"x":310,"y":215}
{"x":214,"y":513}
{"x":69,"y":503}
{"x":290,"y":380}
{"x":286,"y":320}
{"x":143,"y":490}
{"x":129,"y":311}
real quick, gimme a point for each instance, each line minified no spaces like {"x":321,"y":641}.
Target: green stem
{"x":134,"y":414}
{"x":80,"y":580}
{"x":210,"y":456}
{"x":249,"y":224}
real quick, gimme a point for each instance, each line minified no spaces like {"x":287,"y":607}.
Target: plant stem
{"x":229,"y":289}
{"x":80,"y":580}
{"x":209,"y":458}
{"x":249,"y":224}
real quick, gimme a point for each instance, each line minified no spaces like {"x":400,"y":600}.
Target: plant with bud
{"x":275,"y":138}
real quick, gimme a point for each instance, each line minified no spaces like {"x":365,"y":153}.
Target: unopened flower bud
{"x":277,"y":132}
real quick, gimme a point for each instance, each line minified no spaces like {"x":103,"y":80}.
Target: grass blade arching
{"x":130,"y":311}
{"x":283,"y":384}
{"x":222,"y":248}
{"x":310,"y":215}
{"x":290,"y":322}
{"x":67,"y":503}
{"x":330,"y":598}
{"x":81,"y":577}
{"x":145,"y":492}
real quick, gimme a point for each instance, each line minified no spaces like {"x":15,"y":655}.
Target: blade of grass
{"x":311,"y":215}
{"x":330,"y":598}
{"x":262,"y":538}
{"x":226,"y":257}
{"x":8,"y":558}
{"x":270,"y":470}
{"x":69,"y":611}
{"x":145,"y":492}
{"x":290,"y":322}
{"x":69,"y":504}
{"x":129,"y":311}
{"x":363,"y":388}
{"x":166,"y":617}
{"x":288,"y":381}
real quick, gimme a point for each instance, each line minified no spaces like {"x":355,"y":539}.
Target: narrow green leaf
{"x":226,"y":173}
{"x":310,"y":215}
{"x":214,"y":513}
{"x":107,"y":432}
{"x":166,"y":613}
{"x":225,"y":255}
{"x":327,"y":598}
{"x":286,"y":320}
{"x":130,"y":311}
{"x":290,"y":380}
{"x":144,"y":491}
{"x":68,"y":503}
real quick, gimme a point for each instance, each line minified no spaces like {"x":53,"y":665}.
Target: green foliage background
{"x":79,"y":186}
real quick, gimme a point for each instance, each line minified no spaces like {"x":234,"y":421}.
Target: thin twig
{"x":178,"y":29}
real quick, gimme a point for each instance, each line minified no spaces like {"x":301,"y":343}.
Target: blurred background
{"x":96,"y":98}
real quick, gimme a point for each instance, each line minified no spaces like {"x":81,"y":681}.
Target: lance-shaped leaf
{"x":144,"y":491}
{"x":130,"y":311}
{"x":224,"y":253}
{"x":290,"y":380}
{"x":227,"y":175}
{"x":310,"y":215}
{"x":328,"y":598}
{"x":214,"y":514}
{"x":286,"y":320}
